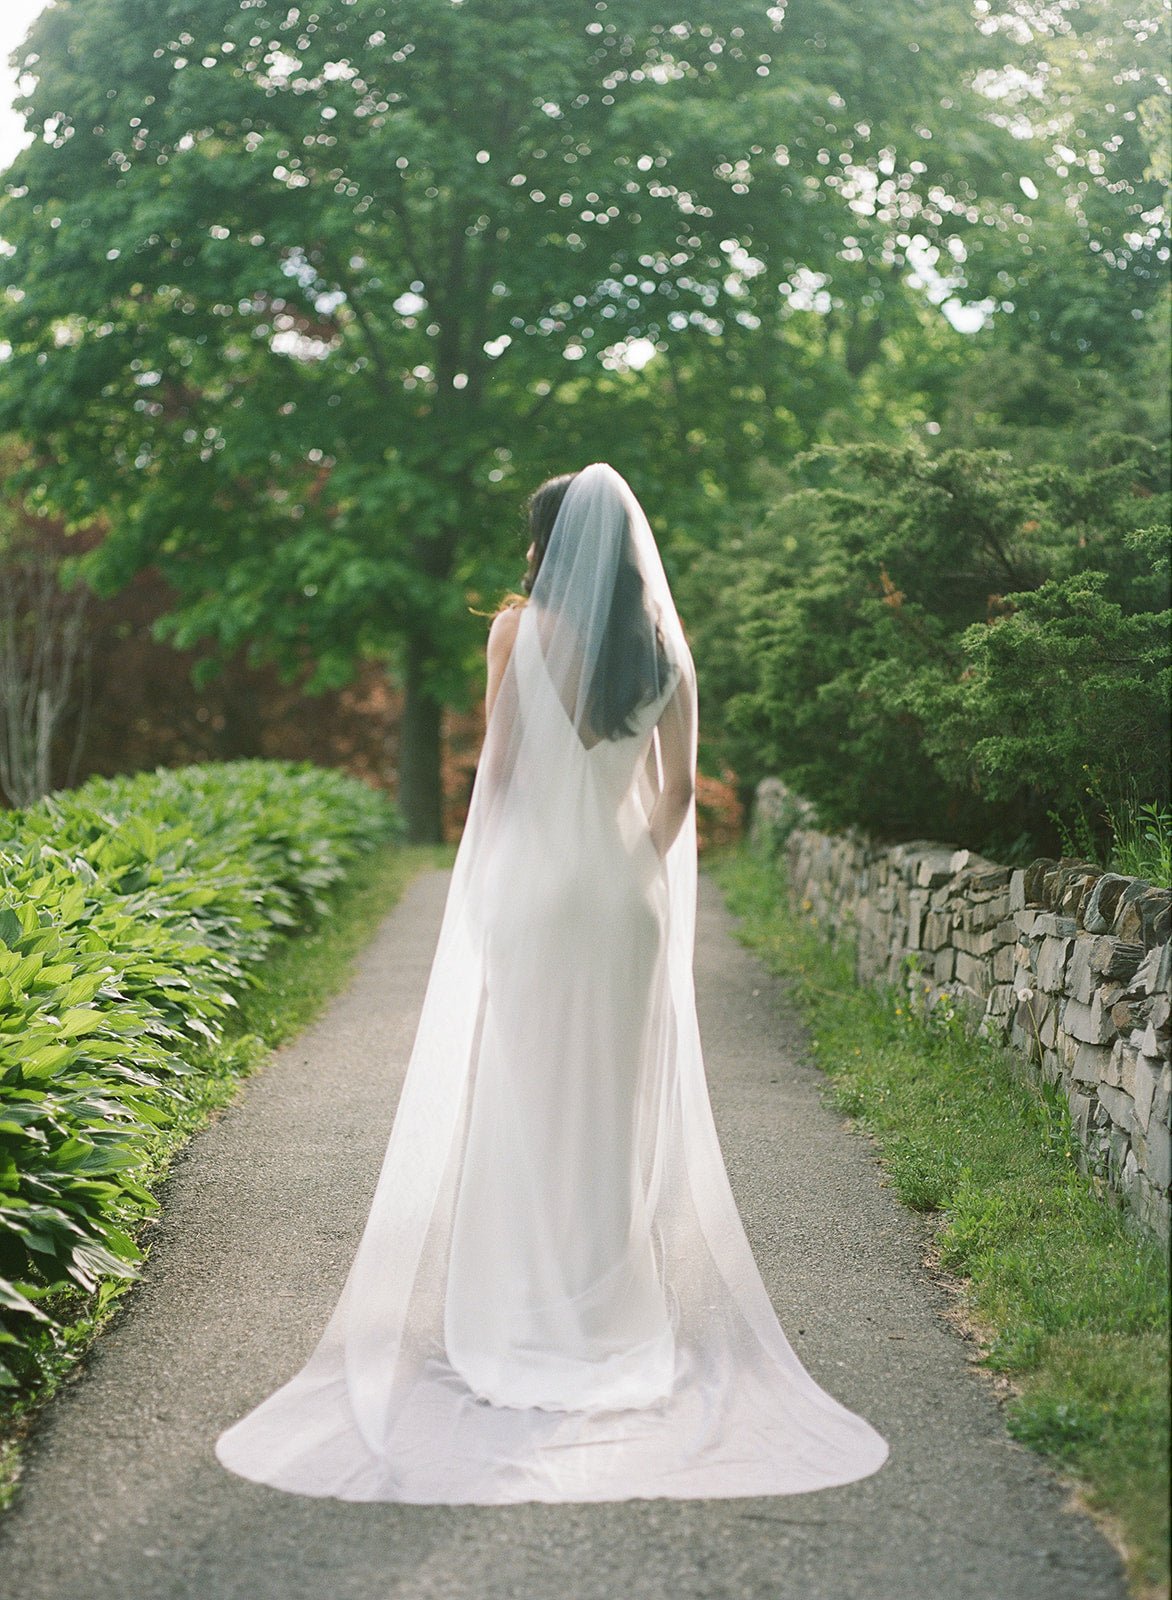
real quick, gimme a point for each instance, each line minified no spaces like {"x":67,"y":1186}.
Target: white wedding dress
{"x":554,"y":1298}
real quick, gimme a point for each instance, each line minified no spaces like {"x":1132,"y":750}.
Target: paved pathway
{"x":124,"y":1500}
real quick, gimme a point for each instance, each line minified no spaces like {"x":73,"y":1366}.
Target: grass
{"x":1066,"y":1300}
{"x":300,"y":974}
{"x":1140,"y":834}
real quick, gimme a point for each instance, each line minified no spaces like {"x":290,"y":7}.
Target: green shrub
{"x":131,"y":912}
{"x":946,"y":646}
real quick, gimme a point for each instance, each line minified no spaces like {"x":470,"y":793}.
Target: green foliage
{"x":1065,"y":1296}
{"x":1142,"y":844}
{"x":1140,"y":835}
{"x":1039,"y":407}
{"x":299,"y":305}
{"x":1086,"y":265}
{"x":132,"y":912}
{"x":1067,"y":679}
{"x":948,"y":645}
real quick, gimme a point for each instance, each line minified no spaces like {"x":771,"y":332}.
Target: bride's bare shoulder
{"x":504,"y":630}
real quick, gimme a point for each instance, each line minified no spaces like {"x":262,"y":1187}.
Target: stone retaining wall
{"x":1065,"y":962}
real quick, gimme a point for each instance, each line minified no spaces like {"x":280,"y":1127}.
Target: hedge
{"x":133,"y":911}
{"x":951,"y":645}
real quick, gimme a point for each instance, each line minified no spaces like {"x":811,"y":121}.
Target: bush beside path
{"x":136,"y":914}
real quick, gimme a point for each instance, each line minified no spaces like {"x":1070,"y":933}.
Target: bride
{"x":553,"y":1297}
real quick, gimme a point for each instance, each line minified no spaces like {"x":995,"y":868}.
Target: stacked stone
{"x":1092,"y":1011}
{"x":961,"y":930}
{"x":828,"y":879}
{"x":921,"y":913}
{"x":776,"y":810}
{"x":1066,"y":962}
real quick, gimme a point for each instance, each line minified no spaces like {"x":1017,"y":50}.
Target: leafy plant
{"x":1142,"y":843}
{"x":1138,"y":835}
{"x":131,"y":912}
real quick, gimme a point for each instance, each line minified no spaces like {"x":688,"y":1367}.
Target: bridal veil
{"x":553,"y":1297}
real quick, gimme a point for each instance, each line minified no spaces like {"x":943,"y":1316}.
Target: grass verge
{"x":1063,"y":1297}
{"x":301,"y":972}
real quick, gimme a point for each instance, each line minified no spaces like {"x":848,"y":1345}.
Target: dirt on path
{"x":123,"y":1498}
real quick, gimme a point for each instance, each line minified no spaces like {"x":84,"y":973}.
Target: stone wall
{"x":1063,"y":961}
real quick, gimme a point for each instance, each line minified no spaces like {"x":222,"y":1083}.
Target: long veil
{"x":553,"y":1297}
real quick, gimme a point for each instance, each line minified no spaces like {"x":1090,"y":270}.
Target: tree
{"x":297,"y":299}
{"x":1089,"y":100}
{"x":42,"y":646}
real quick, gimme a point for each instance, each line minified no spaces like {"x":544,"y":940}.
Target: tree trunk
{"x":240,"y":705}
{"x":420,"y":795}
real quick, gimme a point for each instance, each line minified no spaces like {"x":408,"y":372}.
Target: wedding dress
{"x":553,"y":1298}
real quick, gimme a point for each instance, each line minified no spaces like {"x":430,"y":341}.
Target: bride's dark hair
{"x":620,"y":684}
{"x":543,"y":506}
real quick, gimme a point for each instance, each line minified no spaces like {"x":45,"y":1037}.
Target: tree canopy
{"x":300,"y":300}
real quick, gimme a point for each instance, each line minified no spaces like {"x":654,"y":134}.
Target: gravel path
{"x":124,"y":1500}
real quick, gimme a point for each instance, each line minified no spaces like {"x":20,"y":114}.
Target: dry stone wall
{"x":1067,"y":963}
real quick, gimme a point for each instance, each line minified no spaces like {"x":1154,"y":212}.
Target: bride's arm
{"x":494,"y":752}
{"x":675,"y":751}
{"x":501,"y":637}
